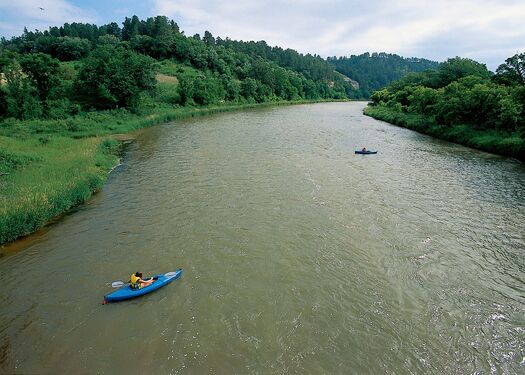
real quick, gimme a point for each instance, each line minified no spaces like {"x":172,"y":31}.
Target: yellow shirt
{"x":134,"y":281}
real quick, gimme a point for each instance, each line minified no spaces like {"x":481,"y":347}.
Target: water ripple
{"x":299,"y":256}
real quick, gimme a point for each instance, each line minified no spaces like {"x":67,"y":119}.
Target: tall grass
{"x":65,"y":173}
{"x":97,"y":124}
{"x":497,"y":142}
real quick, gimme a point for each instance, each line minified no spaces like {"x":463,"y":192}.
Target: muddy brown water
{"x":299,"y":256}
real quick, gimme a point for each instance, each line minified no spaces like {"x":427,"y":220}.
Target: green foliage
{"x":21,"y":97}
{"x":423,"y":99}
{"x":72,"y":171}
{"x":72,"y":48}
{"x":3,"y":102}
{"x":168,"y":93}
{"x":498,"y":142}
{"x":380,"y":97}
{"x":512,"y":72}
{"x":61,"y":108}
{"x":186,"y":90}
{"x":107,"y":75}
{"x":249,"y":88}
{"x":462,"y":102}
{"x":376,"y":70}
{"x":457,"y":67}
{"x":114,"y":77}
{"x":10,"y":160}
{"x":42,"y":70}
{"x":36,"y":86}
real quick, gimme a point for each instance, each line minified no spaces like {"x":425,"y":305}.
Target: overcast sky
{"x":488,"y":31}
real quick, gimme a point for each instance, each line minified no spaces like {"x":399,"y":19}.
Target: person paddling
{"x":364,"y":149}
{"x":137,"y":282}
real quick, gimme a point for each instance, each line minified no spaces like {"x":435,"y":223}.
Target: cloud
{"x":15,"y":15}
{"x":486,"y":30}
{"x":489,"y":30}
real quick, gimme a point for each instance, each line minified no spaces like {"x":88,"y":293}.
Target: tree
{"x":509,"y":114}
{"x":130,"y":27}
{"x":114,"y":77}
{"x":512,"y":72}
{"x":3,"y":103}
{"x":208,"y":38}
{"x":21,"y":97}
{"x":161,"y":27}
{"x":109,"y":39}
{"x":380,"y":96}
{"x":423,"y":99}
{"x":249,"y":88}
{"x":207,"y":89}
{"x":43,"y":71}
{"x":186,"y":90}
{"x":111,"y":29}
{"x":310,"y":90}
{"x":377,"y":70}
{"x":142,"y":44}
{"x":72,"y":48}
{"x":457,"y":67}
{"x":232,"y":88}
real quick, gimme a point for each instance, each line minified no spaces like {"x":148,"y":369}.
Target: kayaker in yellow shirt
{"x":137,"y":282}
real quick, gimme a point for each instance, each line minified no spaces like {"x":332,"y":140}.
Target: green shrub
{"x":491,"y":140}
{"x":10,"y":160}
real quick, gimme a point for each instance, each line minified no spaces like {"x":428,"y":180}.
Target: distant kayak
{"x":127,"y":292}
{"x":361,"y":152}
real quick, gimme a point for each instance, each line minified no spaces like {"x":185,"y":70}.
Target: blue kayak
{"x":361,"y":152}
{"x":127,"y":292}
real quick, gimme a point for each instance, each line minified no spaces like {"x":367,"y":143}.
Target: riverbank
{"x":49,"y":166}
{"x":497,"y":142}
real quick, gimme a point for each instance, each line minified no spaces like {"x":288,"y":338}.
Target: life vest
{"x":134,"y":280}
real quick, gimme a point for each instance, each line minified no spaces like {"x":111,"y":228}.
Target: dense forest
{"x":462,"y":101}
{"x":376,"y":70}
{"x":64,"y":70}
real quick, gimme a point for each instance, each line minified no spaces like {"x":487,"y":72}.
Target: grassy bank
{"x":42,"y":179}
{"x":98,"y":124}
{"x":497,"y":142}
{"x":49,"y":166}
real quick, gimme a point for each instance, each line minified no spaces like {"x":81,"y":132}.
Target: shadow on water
{"x":5,"y":352}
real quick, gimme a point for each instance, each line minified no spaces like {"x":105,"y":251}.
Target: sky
{"x":488,"y":31}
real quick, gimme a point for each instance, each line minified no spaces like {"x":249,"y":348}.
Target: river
{"x":299,"y":256}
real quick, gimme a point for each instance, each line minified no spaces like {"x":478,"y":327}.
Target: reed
{"x":64,"y":173}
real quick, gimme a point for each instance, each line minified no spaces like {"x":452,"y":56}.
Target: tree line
{"x":76,"y":67}
{"x":376,"y":70}
{"x":463,"y":92}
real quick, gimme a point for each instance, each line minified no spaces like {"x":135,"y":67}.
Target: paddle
{"x":118,"y":284}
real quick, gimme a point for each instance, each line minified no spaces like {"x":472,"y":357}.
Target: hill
{"x":228,"y":71}
{"x":377,"y":70}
